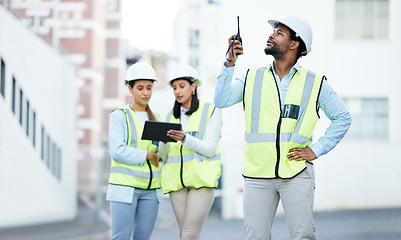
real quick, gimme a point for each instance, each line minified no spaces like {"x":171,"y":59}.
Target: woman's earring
{"x":193,"y":93}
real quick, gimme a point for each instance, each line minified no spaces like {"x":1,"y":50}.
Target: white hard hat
{"x":300,"y":26}
{"x":186,"y":72}
{"x":140,"y":71}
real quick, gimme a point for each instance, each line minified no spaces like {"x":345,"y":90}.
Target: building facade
{"x":38,"y":122}
{"x":88,"y":31}
{"x":86,"y":34}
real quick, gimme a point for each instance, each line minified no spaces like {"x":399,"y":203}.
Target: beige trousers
{"x":191,"y":208}
{"x":262,"y":196}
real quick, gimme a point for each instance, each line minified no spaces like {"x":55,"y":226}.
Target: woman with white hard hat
{"x":134,"y":173}
{"x":191,"y":167}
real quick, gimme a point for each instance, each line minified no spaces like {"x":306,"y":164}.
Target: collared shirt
{"x":228,"y":93}
{"x":285,"y":82}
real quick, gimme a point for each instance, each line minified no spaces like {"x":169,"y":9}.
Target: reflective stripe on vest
{"x":191,"y":156}
{"x":255,"y":136}
{"x":145,"y":176}
{"x":272,"y":131}
{"x":134,"y":130}
{"x":134,"y":173}
{"x":185,"y":167}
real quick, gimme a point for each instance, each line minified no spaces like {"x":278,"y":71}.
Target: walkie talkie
{"x":238,"y":37}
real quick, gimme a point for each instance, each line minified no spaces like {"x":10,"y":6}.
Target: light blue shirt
{"x":228,"y":93}
{"x":119,"y":151}
{"x":118,"y":134}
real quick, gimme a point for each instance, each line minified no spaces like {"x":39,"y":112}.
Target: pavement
{"x":373,"y":224}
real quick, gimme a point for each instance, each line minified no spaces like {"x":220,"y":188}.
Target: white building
{"x":356,"y":45}
{"x":38,"y":126}
{"x":89,"y":33}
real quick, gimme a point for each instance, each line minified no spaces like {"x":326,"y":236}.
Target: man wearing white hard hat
{"x":281,"y":104}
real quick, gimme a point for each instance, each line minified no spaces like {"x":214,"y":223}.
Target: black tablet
{"x":157,"y":131}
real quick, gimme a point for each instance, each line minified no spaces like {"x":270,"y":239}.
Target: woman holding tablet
{"x":134,"y":173}
{"x":192,"y":165}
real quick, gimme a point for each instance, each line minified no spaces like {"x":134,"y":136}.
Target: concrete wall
{"x":36,"y":189}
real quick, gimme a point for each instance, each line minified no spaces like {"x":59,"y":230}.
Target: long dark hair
{"x":151,"y":116}
{"x":194,"y":104}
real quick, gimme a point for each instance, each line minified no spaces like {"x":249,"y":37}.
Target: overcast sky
{"x":148,"y":24}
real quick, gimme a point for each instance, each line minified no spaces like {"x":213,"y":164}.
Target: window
{"x":111,"y":5}
{"x":14,"y":95}
{"x":2,"y":78}
{"x":194,"y":61}
{"x":27,"y":118}
{"x":48,"y":156}
{"x":52,"y":154}
{"x":37,"y":21}
{"x":42,"y":150}
{"x":58,"y":169}
{"x":212,"y":2}
{"x":34,"y":128}
{"x":370,"y":118}
{"x":362,"y":19}
{"x":21,"y":103}
{"x":194,"y":38}
{"x":52,"y":157}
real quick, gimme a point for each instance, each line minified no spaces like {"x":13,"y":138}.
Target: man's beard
{"x":274,"y":51}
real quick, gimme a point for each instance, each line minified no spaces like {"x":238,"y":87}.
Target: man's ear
{"x":294,"y":45}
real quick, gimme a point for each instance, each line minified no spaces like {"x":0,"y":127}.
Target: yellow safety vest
{"x":146,"y":176}
{"x":270,"y":131}
{"x":185,"y":167}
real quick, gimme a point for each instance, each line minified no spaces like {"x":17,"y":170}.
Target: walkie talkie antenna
{"x":238,"y":37}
